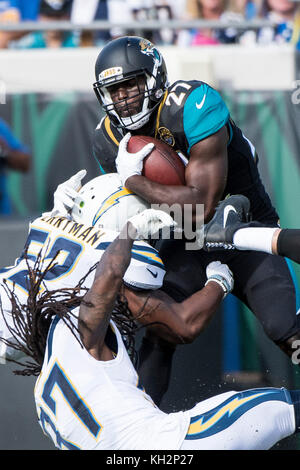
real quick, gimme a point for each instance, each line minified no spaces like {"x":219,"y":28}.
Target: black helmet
{"x":123,"y":59}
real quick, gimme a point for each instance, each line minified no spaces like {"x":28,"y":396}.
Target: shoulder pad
{"x":204,"y":114}
{"x":105,"y":145}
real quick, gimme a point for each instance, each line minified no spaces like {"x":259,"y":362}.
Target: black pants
{"x":263,"y":282}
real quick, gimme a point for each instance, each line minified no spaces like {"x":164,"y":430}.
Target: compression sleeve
{"x":288,"y":244}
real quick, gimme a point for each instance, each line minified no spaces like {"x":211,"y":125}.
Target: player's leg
{"x":264,"y":283}
{"x":288,"y":244}
{"x":250,"y":420}
{"x":283,"y":242}
{"x":154,"y":365}
{"x":228,"y":230}
{"x":184,"y":276}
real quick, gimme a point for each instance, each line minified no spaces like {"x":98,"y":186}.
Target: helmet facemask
{"x":148,"y":94}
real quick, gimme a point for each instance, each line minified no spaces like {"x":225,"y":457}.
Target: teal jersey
{"x":192,"y":111}
{"x":204,"y":114}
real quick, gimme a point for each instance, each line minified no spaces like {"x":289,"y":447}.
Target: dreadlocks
{"x":31,"y":321}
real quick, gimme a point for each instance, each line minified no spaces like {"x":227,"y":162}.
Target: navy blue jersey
{"x":190,"y":112}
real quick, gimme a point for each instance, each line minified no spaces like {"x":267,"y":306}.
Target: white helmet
{"x":104,"y":202}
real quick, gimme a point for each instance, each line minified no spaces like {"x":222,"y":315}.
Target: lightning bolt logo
{"x":153,"y":256}
{"x":111,"y":201}
{"x":224,"y":415}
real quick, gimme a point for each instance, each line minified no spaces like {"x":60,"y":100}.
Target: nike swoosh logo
{"x":227,"y":211}
{"x":151,"y":272}
{"x":200,"y":105}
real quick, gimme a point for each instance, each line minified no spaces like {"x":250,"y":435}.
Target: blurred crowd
{"x":284,"y":14}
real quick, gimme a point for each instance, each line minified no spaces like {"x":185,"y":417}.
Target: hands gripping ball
{"x":163,"y":165}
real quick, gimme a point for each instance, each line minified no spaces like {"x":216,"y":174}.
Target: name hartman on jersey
{"x":82,"y":232}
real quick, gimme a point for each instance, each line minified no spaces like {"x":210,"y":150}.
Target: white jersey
{"x":83,"y":403}
{"x":78,"y":248}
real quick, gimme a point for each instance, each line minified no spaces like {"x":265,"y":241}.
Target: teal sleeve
{"x":204,"y":114}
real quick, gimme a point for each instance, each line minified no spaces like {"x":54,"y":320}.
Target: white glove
{"x":149,"y":222}
{"x":65,"y":194}
{"x":129,"y":164}
{"x":220,"y":273}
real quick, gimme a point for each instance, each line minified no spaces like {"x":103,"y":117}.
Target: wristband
{"x":221,"y":281}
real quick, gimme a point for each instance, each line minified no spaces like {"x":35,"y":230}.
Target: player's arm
{"x":98,"y":303}
{"x":206,"y":171}
{"x":204,"y":123}
{"x":205,"y":176}
{"x":181,"y":322}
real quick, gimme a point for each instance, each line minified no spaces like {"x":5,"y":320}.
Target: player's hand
{"x":149,"y":222}
{"x":66,"y":193}
{"x":220,"y":273}
{"x":129,"y":164}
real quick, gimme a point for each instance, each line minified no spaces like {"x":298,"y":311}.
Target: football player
{"x":133,"y":90}
{"x":88,"y":395}
{"x":64,"y":246}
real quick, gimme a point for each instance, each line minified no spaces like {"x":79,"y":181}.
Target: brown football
{"x":163,"y":165}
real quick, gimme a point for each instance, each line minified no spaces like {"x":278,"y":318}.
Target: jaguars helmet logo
{"x":146,"y":46}
{"x":149,"y":49}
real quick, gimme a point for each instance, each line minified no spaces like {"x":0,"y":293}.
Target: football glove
{"x":129,"y":164}
{"x":221,"y":274}
{"x":149,"y":222}
{"x":65,"y":195}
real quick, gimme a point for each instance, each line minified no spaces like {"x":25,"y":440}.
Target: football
{"x":163,"y":165}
